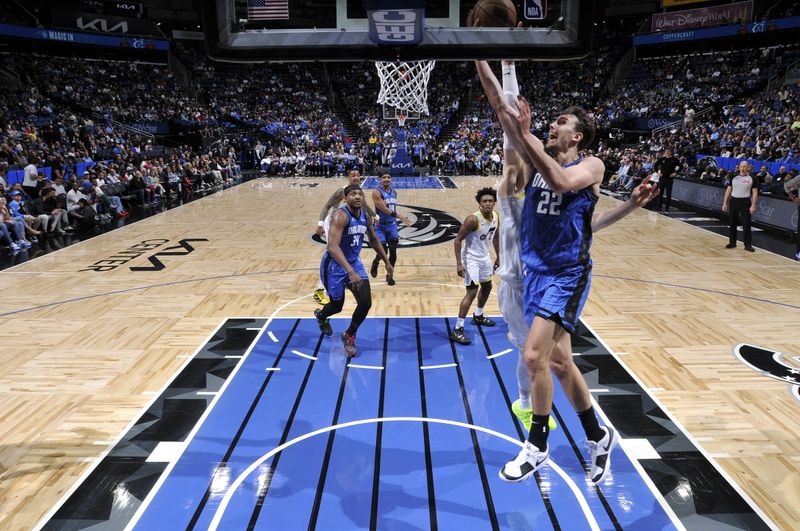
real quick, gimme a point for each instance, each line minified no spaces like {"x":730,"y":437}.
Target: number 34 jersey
{"x":556,"y":227}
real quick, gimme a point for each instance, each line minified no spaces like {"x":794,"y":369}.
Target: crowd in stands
{"x":62,"y":124}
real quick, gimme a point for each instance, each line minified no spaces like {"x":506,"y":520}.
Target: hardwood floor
{"x":86,"y":341}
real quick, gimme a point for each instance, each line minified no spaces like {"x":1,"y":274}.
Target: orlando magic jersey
{"x":353,"y":235}
{"x":390,"y":198}
{"x":478,"y":243}
{"x":556,"y":227}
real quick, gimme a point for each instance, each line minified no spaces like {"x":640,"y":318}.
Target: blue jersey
{"x":390,"y":198}
{"x":353,"y":235}
{"x":556,"y":227}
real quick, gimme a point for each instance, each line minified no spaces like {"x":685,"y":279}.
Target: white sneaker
{"x":23,"y":244}
{"x":528,"y":461}
{"x":797,"y":255}
{"x":14,"y":246}
{"x":600,"y":454}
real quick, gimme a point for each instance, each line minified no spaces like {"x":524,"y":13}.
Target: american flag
{"x":267,"y":9}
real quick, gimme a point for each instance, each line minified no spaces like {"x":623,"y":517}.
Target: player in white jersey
{"x":335,"y":201}
{"x":474,"y":261}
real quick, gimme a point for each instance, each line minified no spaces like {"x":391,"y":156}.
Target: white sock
{"x":459,"y":323}
{"x":510,"y":91}
{"x":478,"y":311}
{"x":525,"y":401}
{"x":320,"y":285}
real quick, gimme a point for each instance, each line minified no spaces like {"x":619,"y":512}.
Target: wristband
{"x":320,"y":223}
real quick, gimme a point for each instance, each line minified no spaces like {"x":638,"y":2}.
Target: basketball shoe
{"x":320,"y":297}
{"x":482,"y":320}
{"x":349,"y":343}
{"x":526,"y":416}
{"x":324,"y":324}
{"x":600,"y":454}
{"x":459,"y":336}
{"x":529,"y":460}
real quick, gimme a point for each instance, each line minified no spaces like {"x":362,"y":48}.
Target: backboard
{"x":339,"y":30}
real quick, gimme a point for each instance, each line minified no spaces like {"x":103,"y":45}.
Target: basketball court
{"x":170,"y":374}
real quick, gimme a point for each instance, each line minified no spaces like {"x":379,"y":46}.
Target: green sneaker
{"x":526,"y":416}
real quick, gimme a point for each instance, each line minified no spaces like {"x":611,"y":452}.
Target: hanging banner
{"x":102,"y":23}
{"x":703,"y":17}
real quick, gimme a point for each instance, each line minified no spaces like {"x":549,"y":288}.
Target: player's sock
{"x":590,"y":425}
{"x":459,"y":323}
{"x":478,"y":311}
{"x":539,"y":432}
{"x":320,"y":285}
{"x":524,"y":400}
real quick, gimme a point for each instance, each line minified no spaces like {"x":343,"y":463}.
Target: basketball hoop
{"x":404,"y":86}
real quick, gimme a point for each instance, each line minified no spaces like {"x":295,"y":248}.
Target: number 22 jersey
{"x":556,"y":227}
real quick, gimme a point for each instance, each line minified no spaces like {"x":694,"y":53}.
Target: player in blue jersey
{"x":334,"y":202}
{"x":555,"y":218}
{"x":341,"y":265}
{"x":385,"y":201}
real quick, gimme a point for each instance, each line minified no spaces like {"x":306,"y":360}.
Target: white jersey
{"x":326,"y":223}
{"x":509,"y":292}
{"x":478,"y":243}
{"x":510,"y":269}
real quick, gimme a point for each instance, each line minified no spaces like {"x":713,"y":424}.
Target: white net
{"x":404,"y":85}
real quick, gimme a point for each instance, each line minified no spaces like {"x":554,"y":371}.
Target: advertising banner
{"x":730,"y":30}
{"x":71,"y":37}
{"x":703,"y":17}
{"x":769,"y":210}
{"x":102,"y":23}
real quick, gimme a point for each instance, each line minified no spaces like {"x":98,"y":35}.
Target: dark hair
{"x":585,"y":125}
{"x":485,"y":191}
{"x":351,"y":187}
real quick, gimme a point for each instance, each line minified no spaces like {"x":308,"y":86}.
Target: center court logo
{"x":429,"y":227}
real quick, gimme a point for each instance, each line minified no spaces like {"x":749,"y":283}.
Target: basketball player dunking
{"x":554,"y":272}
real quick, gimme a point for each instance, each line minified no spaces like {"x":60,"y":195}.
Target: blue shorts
{"x":335,"y":277}
{"x":562,"y":295}
{"x":387,"y":230}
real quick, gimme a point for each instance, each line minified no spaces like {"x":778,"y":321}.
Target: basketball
{"x":495,"y":13}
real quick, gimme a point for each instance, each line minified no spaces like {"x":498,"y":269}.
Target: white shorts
{"x":509,"y":297}
{"x":477,"y":271}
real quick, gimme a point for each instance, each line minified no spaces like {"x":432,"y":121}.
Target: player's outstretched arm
{"x":338,"y":225}
{"x":506,"y":114}
{"x":640,"y":196}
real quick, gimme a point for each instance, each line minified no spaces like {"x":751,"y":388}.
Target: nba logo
{"x":535,"y":9}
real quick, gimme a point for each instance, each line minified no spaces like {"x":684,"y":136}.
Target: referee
{"x":742,"y":191}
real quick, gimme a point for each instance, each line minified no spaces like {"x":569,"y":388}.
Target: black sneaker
{"x":730,"y":246}
{"x":373,"y":271}
{"x":482,"y":320}
{"x":324,"y":324}
{"x":750,"y":249}
{"x":390,"y":280}
{"x":459,"y":336}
